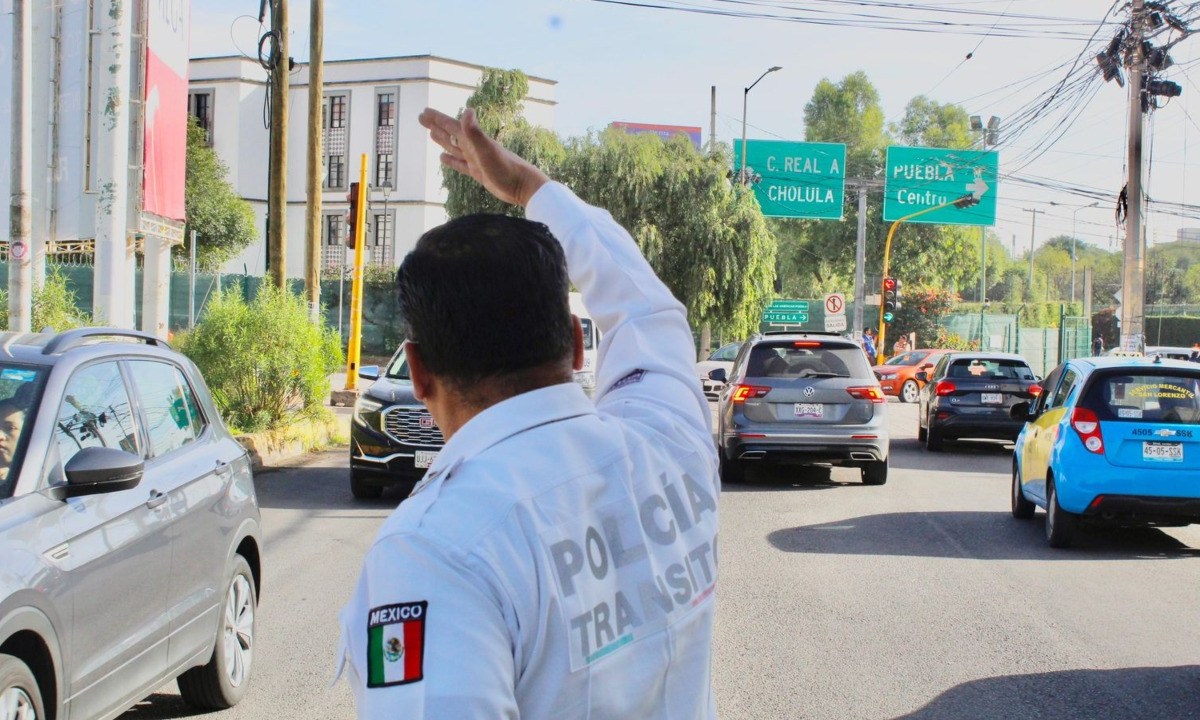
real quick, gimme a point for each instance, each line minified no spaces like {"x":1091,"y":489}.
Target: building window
{"x":333,"y":241}
{"x":380,"y":245}
{"x":200,"y":106}
{"x":335,"y":123}
{"x":385,"y":139}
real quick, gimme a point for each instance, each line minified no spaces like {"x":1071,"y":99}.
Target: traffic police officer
{"x":559,"y":558}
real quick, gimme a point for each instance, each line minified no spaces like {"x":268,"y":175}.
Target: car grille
{"x":403,"y":424}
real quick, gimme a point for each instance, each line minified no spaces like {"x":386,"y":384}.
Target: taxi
{"x":1111,"y":441}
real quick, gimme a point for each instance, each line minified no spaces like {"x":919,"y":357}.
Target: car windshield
{"x":398,"y":368}
{"x":20,"y":393}
{"x":908,"y":358}
{"x":727,"y":353}
{"x":1146,"y":397}
{"x":990,"y":369}
{"x":807,"y":359}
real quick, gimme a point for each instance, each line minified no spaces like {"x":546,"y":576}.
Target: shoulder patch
{"x":396,"y":644}
{"x":633,"y":377}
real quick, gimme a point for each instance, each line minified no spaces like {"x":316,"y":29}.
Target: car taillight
{"x":1035,"y":390}
{"x":742,"y":393}
{"x":1086,"y":423}
{"x":872,"y":393}
{"x":944,"y":388}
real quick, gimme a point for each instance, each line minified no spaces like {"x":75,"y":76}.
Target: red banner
{"x":166,"y":100}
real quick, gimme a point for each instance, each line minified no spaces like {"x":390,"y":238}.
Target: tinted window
{"x":1039,"y":403}
{"x":95,"y":412}
{"x":20,"y":389}
{"x":1145,"y":397}
{"x":806,"y":359}
{"x":172,"y":416}
{"x":1070,"y":377}
{"x":398,"y":369}
{"x":985,"y":369}
{"x":727,"y":353}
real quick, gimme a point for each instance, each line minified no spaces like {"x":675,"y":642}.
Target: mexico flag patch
{"x":396,"y":644}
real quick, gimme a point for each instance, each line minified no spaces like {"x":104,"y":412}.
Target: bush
{"x":55,"y":306}
{"x":264,"y":361}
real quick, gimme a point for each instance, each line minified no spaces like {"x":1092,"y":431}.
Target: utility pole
{"x":20,"y":273}
{"x":1032,"y":235}
{"x":982,"y":284}
{"x":277,"y":187}
{"x":706,"y":328}
{"x":1133,"y":280}
{"x":860,"y":262}
{"x":316,"y":93}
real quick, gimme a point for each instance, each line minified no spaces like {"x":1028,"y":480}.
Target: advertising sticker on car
{"x":1162,"y":451}
{"x":813,"y":410}
{"x":424,"y":458}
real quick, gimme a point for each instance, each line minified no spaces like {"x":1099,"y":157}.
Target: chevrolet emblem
{"x":1165,"y":432}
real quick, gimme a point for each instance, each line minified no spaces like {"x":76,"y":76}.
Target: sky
{"x":614,"y":62}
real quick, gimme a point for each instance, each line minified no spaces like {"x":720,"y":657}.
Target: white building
{"x":371,"y":108}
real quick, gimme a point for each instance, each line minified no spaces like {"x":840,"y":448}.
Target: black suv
{"x":393,"y":438}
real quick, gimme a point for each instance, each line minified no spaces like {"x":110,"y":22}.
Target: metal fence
{"x":1044,"y":348}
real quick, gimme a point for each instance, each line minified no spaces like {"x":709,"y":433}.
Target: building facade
{"x":370,"y":108}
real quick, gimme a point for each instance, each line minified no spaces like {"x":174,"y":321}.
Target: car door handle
{"x":156,"y":498}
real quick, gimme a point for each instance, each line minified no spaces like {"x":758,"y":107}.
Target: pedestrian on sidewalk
{"x":558,"y":560}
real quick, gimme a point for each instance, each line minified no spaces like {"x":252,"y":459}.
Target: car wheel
{"x":933,"y":439}
{"x":20,"y":698}
{"x":875,"y":473}
{"x":1060,"y":524}
{"x":362,"y":488}
{"x":222,"y":682}
{"x":1022,"y":508}
{"x":909,"y":391}
{"x":732,"y":471}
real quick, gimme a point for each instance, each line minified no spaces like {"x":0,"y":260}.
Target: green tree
{"x":930,"y":124}
{"x":224,"y":222}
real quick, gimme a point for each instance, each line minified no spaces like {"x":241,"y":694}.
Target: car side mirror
{"x":1022,"y":411}
{"x":96,"y":470}
{"x":923,"y":376}
{"x":926,"y":366}
{"x":719,"y":375}
{"x":369,"y":372}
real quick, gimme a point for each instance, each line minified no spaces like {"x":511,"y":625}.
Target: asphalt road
{"x":922,"y":598}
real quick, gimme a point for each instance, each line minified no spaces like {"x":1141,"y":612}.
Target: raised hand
{"x":467,"y":149}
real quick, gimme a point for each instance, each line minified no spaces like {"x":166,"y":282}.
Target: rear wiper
{"x":824,"y":375}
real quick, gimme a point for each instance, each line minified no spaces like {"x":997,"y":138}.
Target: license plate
{"x":424,"y":458}
{"x":1162,"y":451}
{"x":991,"y":398}
{"x":814,"y":410}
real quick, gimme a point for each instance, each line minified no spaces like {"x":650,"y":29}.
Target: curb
{"x":276,"y":448}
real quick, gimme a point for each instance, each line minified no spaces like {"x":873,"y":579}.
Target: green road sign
{"x":796,"y":179}
{"x":921,"y":178}
{"x":786,"y":312}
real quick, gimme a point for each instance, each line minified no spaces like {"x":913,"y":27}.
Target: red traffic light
{"x":352,"y":217}
{"x":889,"y":284}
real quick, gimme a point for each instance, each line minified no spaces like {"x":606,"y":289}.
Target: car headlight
{"x":366,"y":411}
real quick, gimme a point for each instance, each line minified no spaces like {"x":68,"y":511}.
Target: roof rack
{"x":74,"y":338}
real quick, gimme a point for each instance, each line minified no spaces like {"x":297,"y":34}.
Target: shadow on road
{"x":1125,"y":694}
{"x":981,"y":455}
{"x":980,"y":535}
{"x":314,"y":487}
{"x":161,"y":706}
{"x":780,"y":478}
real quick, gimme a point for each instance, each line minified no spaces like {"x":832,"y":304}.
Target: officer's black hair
{"x":486,"y":299}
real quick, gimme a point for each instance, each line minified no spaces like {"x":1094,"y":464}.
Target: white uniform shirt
{"x":559,"y":559}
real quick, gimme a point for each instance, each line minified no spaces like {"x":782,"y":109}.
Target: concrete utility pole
{"x":112,"y":296}
{"x":277,"y":187}
{"x":1133,"y":275}
{"x":316,"y":92}
{"x":860,"y":262}
{"x":20,"y":270}
{"x":1032,"y":236}
{"x":706,"y":328}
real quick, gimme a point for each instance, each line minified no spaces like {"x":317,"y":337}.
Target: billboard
{"x":663,"y":131}
{"x":167,"y":45}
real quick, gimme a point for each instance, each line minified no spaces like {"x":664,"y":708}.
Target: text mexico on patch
{"x":396,"y":644}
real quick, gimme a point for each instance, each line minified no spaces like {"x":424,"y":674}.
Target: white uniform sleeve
{"x":425,"y":637}
{"x":647,"y":357}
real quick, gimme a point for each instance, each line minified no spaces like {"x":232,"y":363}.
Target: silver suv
{"x":129,"y":529}
{"x":803,"y":398}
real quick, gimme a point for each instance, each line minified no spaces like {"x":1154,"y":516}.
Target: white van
{"x":591,"y":344}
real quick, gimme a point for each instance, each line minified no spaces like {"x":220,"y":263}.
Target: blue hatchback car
{"x":1111,"y":440}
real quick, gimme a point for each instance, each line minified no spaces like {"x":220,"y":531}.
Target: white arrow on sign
{"x":979,"y":187}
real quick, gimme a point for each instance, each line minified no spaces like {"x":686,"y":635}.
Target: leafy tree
{"x":930,"y":124}
{"x":224,"y":222}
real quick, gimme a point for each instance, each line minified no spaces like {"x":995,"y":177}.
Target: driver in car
{"x":12,"y":420}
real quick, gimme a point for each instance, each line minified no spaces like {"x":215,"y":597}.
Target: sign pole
{"x":354,"y":346}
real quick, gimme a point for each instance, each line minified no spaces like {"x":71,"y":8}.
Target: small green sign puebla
{"x":920,"y":178}
{"x":796,"y":179}
{"x":786,"y":312}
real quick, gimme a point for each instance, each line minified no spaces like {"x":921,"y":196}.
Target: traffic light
{"x":891,"y":298}
{"x":352,"y":218}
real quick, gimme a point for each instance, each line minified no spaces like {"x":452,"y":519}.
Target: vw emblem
{"x":426,"y":422}
{"x":810,"y":391}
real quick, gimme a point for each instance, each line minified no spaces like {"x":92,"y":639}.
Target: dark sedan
{"x":393,"y":438}
{"x":968,"y":395}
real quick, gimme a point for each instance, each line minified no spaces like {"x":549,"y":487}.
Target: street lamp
{"x":745,"y":95}
{"x":1074,"y":220}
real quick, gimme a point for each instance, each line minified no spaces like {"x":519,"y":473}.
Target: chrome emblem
{"x":810,"y":391}
{"x":425,"y":422}
{"x":1164,"y":432}
{"x":991,"y":387}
